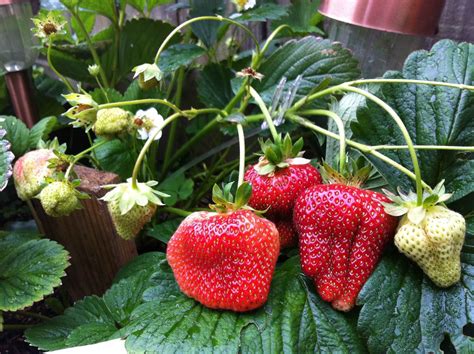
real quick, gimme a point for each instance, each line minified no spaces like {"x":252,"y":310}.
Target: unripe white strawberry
{"x":112,"y":122}
{"x":132,"y":205}
{"x":434,"y":244}
{"x":430,"y":234}
{"x":30,"y":172}
{"x":130,"y":224}
{"x":59,"y":198}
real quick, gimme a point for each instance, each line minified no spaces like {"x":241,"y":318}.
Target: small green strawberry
{"x":149,"y":75}
{"x":430,"y":234}
{"x":112,"y":122}
{"x":132,"y":207}
{"x":83,"y":110}
{"x":60,"y":198}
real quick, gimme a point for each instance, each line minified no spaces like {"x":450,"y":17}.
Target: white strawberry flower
{"x":243,"y":5}
{"x":148,"y":123}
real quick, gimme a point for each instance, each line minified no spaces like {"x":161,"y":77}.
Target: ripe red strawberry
{"x":342,"y":232}
{"x":225,"y":259}
{"x":287,"y":233}
{"x":279,"y":177}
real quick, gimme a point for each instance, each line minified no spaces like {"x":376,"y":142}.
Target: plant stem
{"x":32,"y":315}
{"x":265,"y":47}
{"x":406,"y":135}
{"x":102,"y":89}
{"x":95,"y":56}
{"x":147,"y":145}
{"x":58,"y":74}
{"x":423,"y":147}
{"x":342,"y":134}
{"x":142,"y":101}
{"x":15,"y":327}
{"x":80,"y":156}
{"x":361,"y":147}
{"x":266,"y":113}
{"x":176,"y":211}
{"x":240,"y":131}
{"x":174,"y":126}
{"x":410,"y":81}
{"x":205,"y":18}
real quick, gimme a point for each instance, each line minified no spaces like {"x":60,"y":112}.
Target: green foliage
{"x":30,"y":268}
{"x":315,"y":59}
{"x":156,"y":317}
{"x":116,"y":156}
{"x":178,"y":187}
{"x":433,"y":116}
{"x":6,"y":158}
{"x":262,"y":13}
{"x":163,"y":231}
{"x":415,"y":313}
{"x":214,"y":89}
{"x":302,"y":17}
{"x":179,"y":55}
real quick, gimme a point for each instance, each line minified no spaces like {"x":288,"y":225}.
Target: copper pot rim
{"x":411,"y":17}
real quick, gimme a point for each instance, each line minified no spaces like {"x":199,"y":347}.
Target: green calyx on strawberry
{"x":60,"y":197}
{"x":83,"y":110}
{"x":224,"y":200}
{"x":430,"y":234}
{"x":131,"y":208}
{"x":112,"y":122}
{"x":342,"y":231}
{"x":149,"y":75}
{"x":225,"y":259}
{"x":280,"y":154}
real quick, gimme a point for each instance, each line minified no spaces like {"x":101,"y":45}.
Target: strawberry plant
{"x":366,"y":250}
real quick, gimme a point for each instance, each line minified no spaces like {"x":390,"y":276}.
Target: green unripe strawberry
{"x":59,"y":198}
{"x":128,"y":225}
{"x":112,"y":122}
{"x":30,"y":172}
{"x":434,"y":244}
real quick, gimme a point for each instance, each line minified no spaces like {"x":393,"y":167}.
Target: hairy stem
{"x":80,"y":156}
{"x":240,"y":131}
{"x":58,"y":74}
{"x":205,"y":18}
{"x":266,"y":113}
{"x":342,"y":134}
{"x":176,"y":211}
{"x":406,"y":136}
{"x":361,"y":147}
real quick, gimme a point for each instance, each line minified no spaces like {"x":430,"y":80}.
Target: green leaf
{"x":404,"y":312}
{"x":103,"y":7}
{"x":30,"y":268}
{"x":293,"y":320}
{"x":206,"y":31}
{"x":106,"y":95}
{"x":41,"y":131}
{"x":17,"y":134}
{"x":314,"y":58}
{"x":88,"y":19}
{"x":261,"y":13}
{"x":116,"y":156}
{"x":163,"y":231}
{"x":136,"y":48}
{"x":213,"y":86}
{"x":433,"y":116}
{"x":178,"y":187}
{"x":93,"y":319}
{"x":146,"y":261}
{"x":179,"y":55}
{"x":6,"y":158}
{"x":302,"y":17}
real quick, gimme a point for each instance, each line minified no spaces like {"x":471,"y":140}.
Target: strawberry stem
{"x":50,"y":63}
{"x":265,"y":47}
{"x":206,"y":18}
{"x":361,"y":147}
{"x":240,"y":131}
{"x":409,"y":81}
{"x":266,"y":113}
{"x":342,"y":134}
{"x":405,"y":133}
{"x":80,"y":156}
